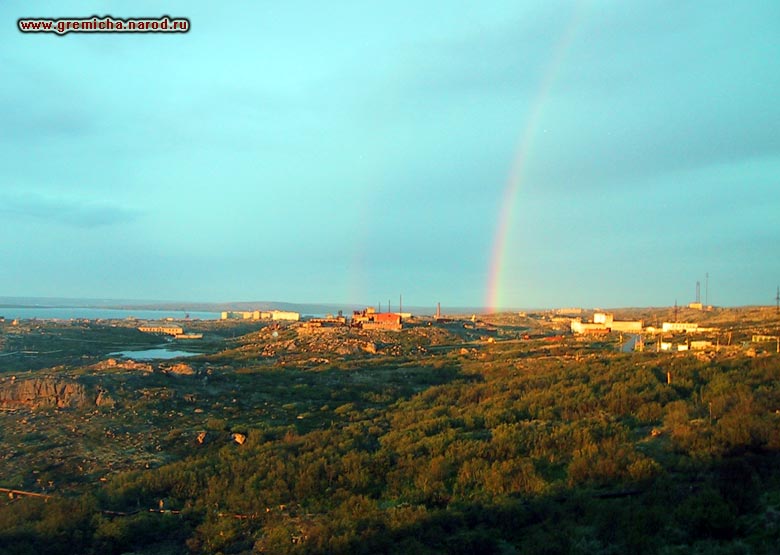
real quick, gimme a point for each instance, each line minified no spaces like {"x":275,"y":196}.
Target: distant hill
{"x":147,"y":304}
{"x":65,"y":302}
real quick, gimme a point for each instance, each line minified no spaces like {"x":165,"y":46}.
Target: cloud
{"x":639,"y":91}
{"x":66,"y":211}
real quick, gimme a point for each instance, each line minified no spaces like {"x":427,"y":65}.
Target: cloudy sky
{"x":522,"y":154}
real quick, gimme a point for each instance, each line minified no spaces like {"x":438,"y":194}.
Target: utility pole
{"x":777,"y":300}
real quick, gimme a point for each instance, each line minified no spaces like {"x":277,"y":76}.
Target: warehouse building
{"x":165,"y":329}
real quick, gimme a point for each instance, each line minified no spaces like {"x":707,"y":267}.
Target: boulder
{"x":181,"y":369}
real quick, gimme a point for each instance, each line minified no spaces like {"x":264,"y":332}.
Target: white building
{"x":166,"y":329}
{"x":700,"y":345}
{"x":607,"y":320}
{"x":261,"y":315}
{"x":281,"y":315}
{"x":578,"y":326}
{"x":626,"y":326}
{"x":679,"y":326}
{"x":603,"y":318}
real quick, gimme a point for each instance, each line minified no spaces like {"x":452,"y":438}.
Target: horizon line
{"x":79,"y":303}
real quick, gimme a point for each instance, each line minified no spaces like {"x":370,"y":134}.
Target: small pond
{"x":153,"y":354}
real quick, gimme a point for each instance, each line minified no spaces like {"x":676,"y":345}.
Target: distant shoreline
{"x":53,"y":303}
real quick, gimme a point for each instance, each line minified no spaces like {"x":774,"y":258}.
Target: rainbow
{"x":522,"y":154}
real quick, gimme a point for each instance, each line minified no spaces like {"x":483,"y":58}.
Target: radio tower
{"x":777,"y":300}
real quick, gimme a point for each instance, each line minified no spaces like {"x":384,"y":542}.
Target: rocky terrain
{"x":401,"y":423}
{"x":41,"y":392}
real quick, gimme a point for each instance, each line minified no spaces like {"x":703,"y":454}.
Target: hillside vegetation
{"x":420,"y":446}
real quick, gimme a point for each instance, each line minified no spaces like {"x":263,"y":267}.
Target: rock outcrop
{"x":180,"y":368}
{"x":119,"y":364}
{"x":103,"y":399}
{"x":44,"y":392}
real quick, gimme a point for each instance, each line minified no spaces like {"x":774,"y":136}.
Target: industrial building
{"x":604,"y":322}
{"x":261,"y":315}
{"x":686,"y":327}
{"x":617,"y":325}
{"x":588,"y":328}
{"x":332,"y":321}
{"x":280,"y":315}
{"x":700,"y":345}
{"x":190,"y":336}
{"x":689,"y":346}
{"x":627,"y":326}
{"x":602,"y":318}
{"x":240,"y":315}
{"x":327,"y":322}
{"x":370,"y":319}
{"x":166,"y":329}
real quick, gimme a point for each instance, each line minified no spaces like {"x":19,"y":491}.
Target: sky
{"x":506,"y":154}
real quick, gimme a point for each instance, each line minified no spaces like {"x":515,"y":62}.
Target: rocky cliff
{"x":46,"y":392}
